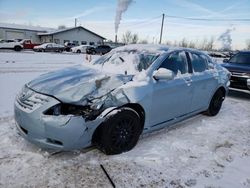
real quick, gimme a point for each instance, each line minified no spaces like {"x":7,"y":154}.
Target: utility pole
{"x":162,"y":23}
{"x":75,"y":22}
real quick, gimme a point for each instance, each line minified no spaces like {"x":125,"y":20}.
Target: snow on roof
{"x":25,"y":27}
{"x":68,"y":29}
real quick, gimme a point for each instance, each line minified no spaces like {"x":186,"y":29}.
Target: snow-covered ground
{"x":199,"y":152}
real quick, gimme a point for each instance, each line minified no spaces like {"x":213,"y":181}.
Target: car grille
{"x":31,"y":100}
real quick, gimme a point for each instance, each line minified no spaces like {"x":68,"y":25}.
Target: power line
{"x":147,"y":21}
{"x":210,"y":19}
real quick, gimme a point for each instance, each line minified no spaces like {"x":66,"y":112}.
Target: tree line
{"x":207,"y":44}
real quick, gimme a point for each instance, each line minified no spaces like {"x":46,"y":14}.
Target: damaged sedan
{"x":115,"y":98}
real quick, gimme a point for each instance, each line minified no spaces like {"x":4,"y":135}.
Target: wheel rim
{"x":123,"y":133}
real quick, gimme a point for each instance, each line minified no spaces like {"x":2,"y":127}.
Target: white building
{"x":78,"y":35}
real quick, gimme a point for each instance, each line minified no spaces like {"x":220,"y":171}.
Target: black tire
{"x":78,"y":51}
{"x":17,"y":48}
{"x":215,"y":103}
{"x":120,"y":132}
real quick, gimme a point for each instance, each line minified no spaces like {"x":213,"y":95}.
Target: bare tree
{"x":248,"y":44}
{"x":135,"y":39}
{"x":62,"y":27}
{"x":129,"y":38}
{"x":183,"y":43}
{"x":169,"y":43}
{"x":143,"y":41}
{"x":210,"y":44}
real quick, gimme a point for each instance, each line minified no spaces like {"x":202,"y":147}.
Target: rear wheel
{"x":215,"y":103}
{"x":78,"y":51}
{"x":120,"y":132}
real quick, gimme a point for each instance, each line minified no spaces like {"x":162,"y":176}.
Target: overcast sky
{"x":142,"y":17}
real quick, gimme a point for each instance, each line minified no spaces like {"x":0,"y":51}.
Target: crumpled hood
{"x":77,"y":84}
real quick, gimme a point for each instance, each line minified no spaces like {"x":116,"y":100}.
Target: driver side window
{"x":176,"y":62}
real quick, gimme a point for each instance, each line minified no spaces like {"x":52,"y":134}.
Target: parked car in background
{"x":111,"y":101}
{"x":27,"y":44}
{"x":102,"y":49}
{"x":217,"y":54}
{"x":239,"y":66}
{"x":49,"y":47}
{"x":11,"y":44}
{"x":69,"y":45}
{"x":80,"y":49}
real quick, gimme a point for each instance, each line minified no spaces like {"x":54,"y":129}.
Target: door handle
{"x":188,"y":81}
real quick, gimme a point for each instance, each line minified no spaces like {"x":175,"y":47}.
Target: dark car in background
{"x":239,"y":66}
{"x":69,"y":45}
{"x":102,"y":49}
{"x":49,"y":47}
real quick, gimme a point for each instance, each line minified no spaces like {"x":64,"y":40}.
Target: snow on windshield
{"x":125,"y":62}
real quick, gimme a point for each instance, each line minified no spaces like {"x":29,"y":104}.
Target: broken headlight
{"x":71,"y":109}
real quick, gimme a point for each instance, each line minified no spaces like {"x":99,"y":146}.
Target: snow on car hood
{"x":77,"y":84}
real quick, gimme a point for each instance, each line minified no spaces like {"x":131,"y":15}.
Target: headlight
{"x":71,"y":109}
{"x":67,"y":109}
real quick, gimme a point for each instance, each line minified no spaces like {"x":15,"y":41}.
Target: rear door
{"x":172,"y":98}
{"x":204,"y":80}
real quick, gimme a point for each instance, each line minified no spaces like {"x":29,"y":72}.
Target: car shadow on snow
{"x":239,"y":94}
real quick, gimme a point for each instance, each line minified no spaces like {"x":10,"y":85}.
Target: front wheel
{"x":120,"y":132}
{"x":17,"y":48}
{"x":215,"y":103}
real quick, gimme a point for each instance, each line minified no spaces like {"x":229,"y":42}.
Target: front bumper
{"x":53,"y":132}
{"x":240,"y":82}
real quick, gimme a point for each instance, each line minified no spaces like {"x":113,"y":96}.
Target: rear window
{"x":199,"y":62}
{"x":241,"y":58}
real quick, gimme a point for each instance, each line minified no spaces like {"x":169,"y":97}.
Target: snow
{"x":125,"y":61}
{"x":199,"y":152}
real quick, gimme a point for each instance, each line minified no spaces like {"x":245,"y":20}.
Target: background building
{"x":78,"y":35}
{"x":15,"y":31}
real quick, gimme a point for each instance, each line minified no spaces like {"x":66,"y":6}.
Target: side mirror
{"x":225,"y":60}
{"x":163,"y":74}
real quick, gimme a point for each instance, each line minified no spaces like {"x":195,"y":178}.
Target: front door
{"x":172,"y":98}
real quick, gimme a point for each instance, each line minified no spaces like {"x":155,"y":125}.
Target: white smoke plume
{"x":226,"y":39}
{"x":122,"y":7}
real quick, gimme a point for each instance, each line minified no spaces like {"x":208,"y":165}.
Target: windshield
{"x":126,"y":62}
{"x":241,"y":58}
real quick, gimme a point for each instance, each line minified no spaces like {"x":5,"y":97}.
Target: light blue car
{"x":112,"y":100}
